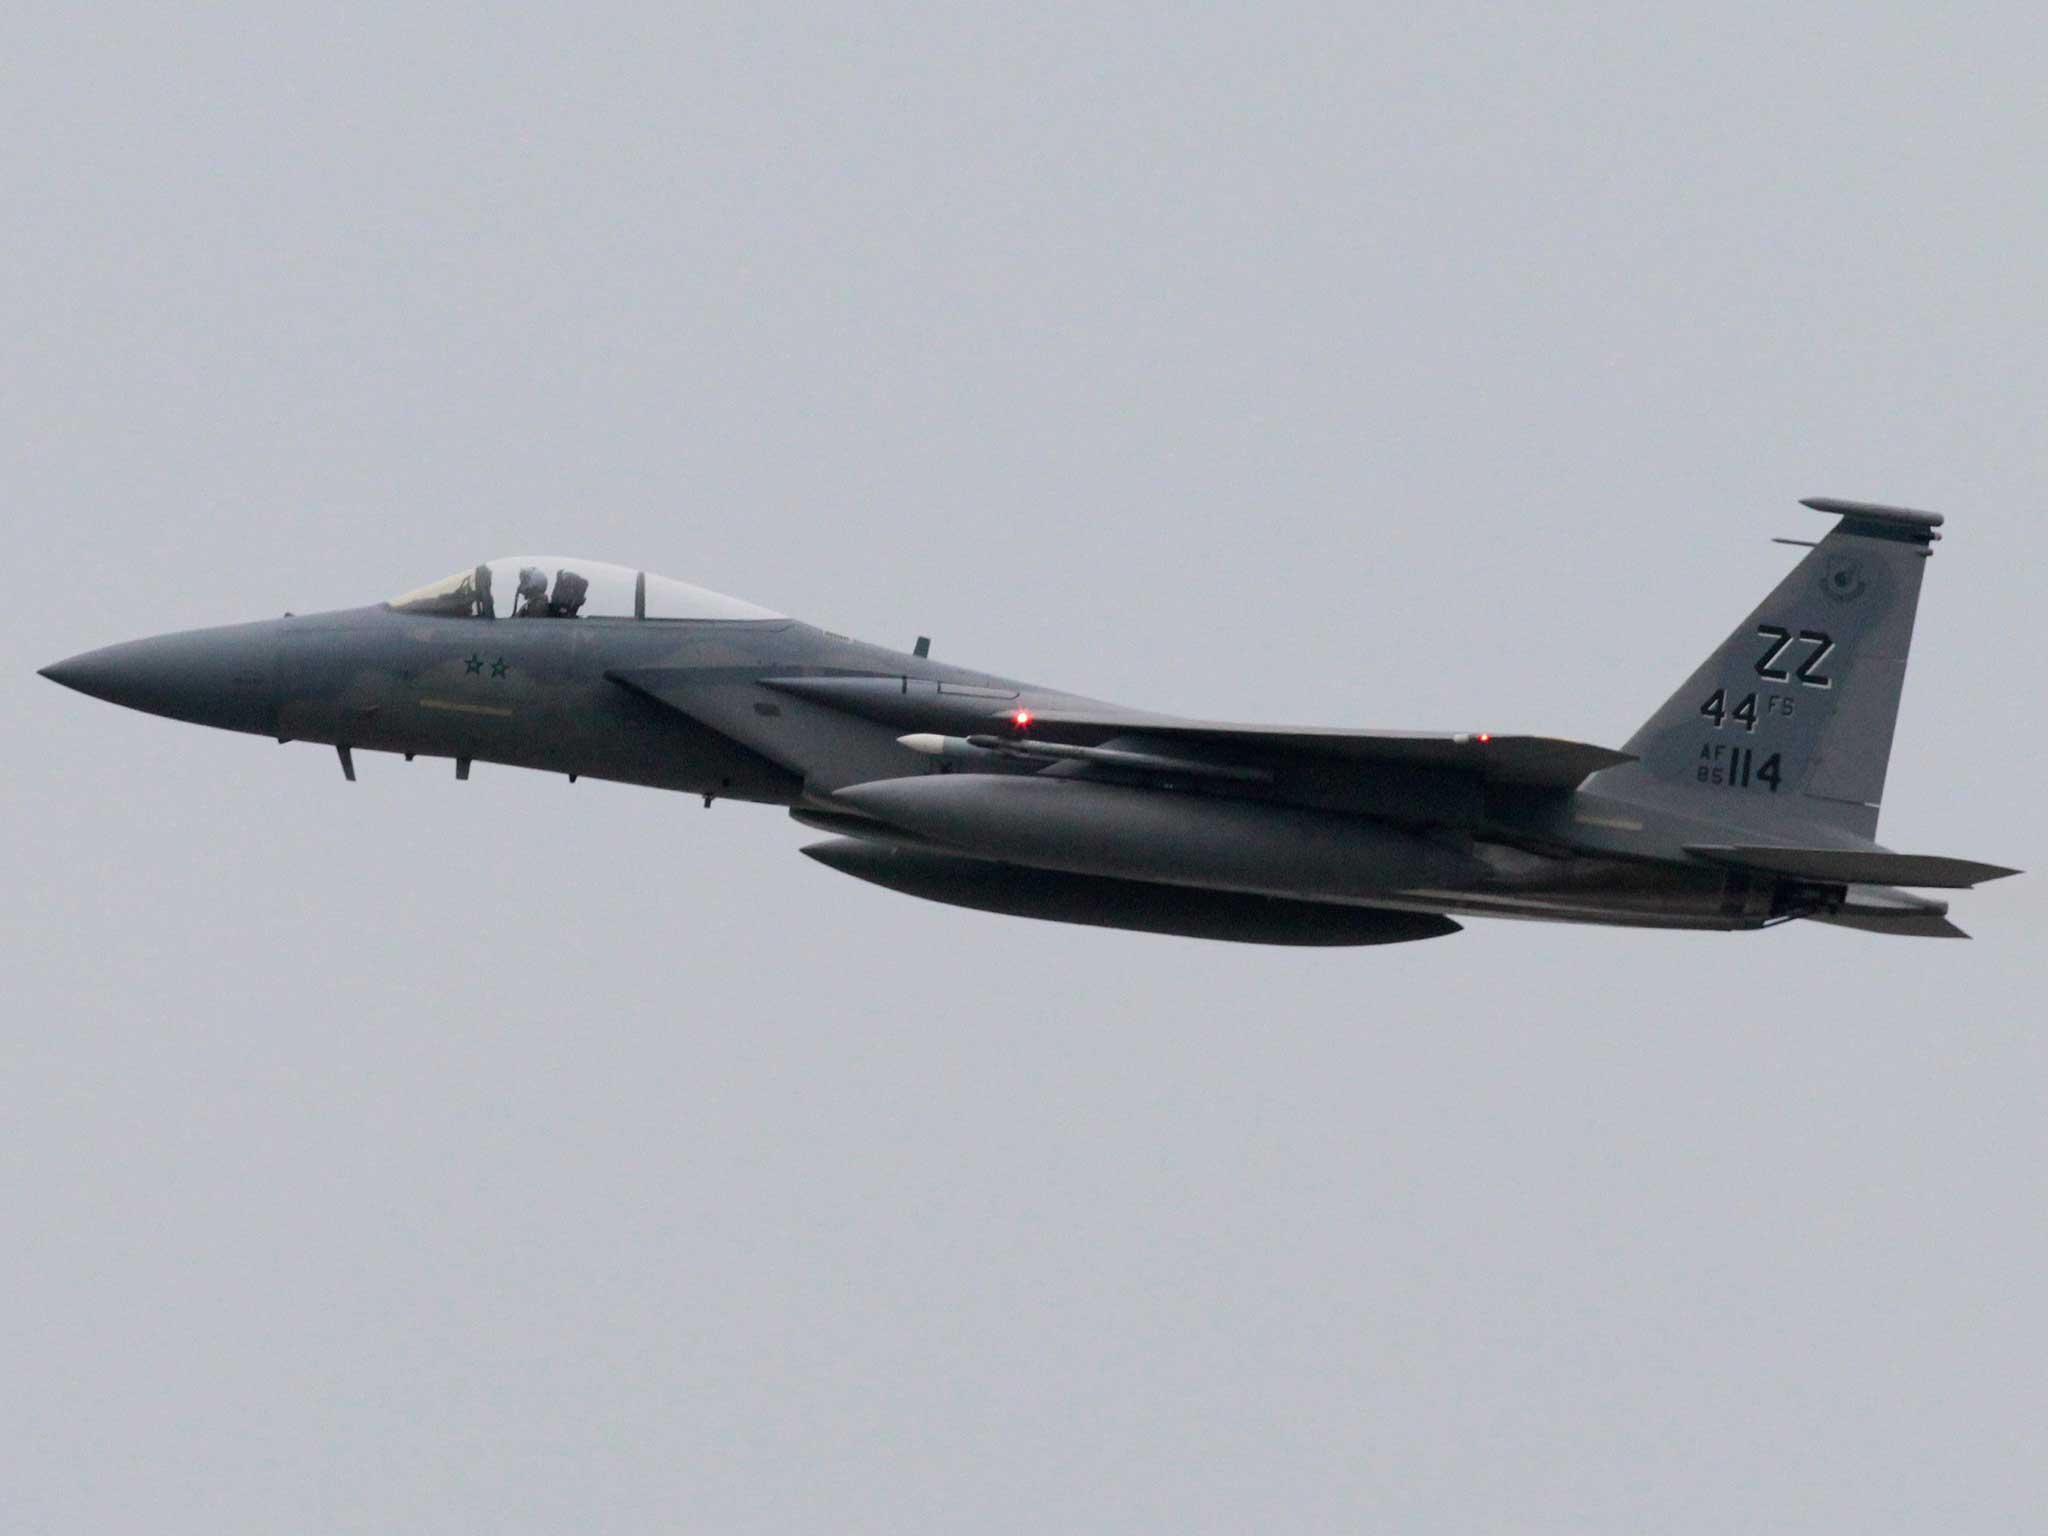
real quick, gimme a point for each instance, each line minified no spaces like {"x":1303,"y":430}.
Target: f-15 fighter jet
{"x":1749,"y":799}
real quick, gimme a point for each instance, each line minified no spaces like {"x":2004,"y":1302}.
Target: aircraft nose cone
{"x":65,"y":672}
{"x":224,"y":677}
{"x":117,"y":673}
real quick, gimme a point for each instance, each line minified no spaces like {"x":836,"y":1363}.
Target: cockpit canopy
{"x":561,"y":587}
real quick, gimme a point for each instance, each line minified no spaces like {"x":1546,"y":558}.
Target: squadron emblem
{"x":1842,"y":579}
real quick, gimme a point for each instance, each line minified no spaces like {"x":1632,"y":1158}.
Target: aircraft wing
{"x":1537,"y":762}
{"x":735,"y":707}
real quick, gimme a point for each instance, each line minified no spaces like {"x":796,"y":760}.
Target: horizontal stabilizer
{"x":1915,"y":925}
{"x":1886,"y":909}
{"x":1853,"y":866}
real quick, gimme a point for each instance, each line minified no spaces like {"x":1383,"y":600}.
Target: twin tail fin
{"x":1786,"y":729}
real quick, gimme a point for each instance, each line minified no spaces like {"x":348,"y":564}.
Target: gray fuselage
{"x":1750,"y":797}
{"x":569,"y":697}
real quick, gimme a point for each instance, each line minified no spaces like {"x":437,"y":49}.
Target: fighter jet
{"x":1749,"y":799}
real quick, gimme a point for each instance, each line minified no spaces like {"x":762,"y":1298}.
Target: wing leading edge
{"x":1536,"y":762}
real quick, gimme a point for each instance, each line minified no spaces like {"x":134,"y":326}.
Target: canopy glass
{"x":562,"y":587}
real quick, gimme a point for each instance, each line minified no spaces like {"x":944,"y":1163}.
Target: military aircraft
{"x":1749,"y":799}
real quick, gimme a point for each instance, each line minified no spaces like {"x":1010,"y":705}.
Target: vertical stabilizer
{"x":1788,"y":725}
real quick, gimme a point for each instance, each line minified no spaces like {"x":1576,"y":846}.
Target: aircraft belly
{"x":1560,"y":910}
{"x":1221,"y":843}
{"x":1630,"y":892}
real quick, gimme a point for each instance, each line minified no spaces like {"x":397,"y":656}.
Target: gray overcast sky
{"x":507,"y":1156}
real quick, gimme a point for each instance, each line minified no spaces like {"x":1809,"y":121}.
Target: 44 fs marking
{"x":1744,"y":713}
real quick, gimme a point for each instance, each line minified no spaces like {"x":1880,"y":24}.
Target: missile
{"x":954,"y":749}
{"x":983,"y":748}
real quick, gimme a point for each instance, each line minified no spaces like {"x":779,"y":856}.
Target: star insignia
{"x":498,"y":667}
{"x":473,"y":664}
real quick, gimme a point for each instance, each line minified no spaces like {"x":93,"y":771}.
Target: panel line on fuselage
{"x":466,"y":709}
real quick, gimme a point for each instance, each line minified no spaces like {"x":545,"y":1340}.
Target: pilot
{"x":485,"y":608}
{"x":532,"y":602}
{"x":570,"y":590}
